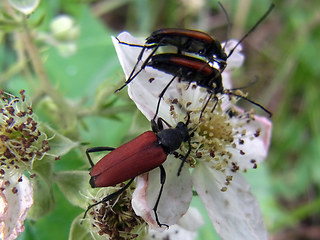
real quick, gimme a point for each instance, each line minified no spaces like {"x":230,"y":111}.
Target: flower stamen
{"x":22,"y":142}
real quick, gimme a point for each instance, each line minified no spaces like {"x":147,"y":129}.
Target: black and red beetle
{"x":190,"y":69}
{"x":140,"y":155}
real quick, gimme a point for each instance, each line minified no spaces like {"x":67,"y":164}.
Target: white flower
{"x":224,"y":142}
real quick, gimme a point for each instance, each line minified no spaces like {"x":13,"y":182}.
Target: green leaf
{"x":39,"y":20}
{"x":72,"y":184}
{"x":59,"y":144}
{"x":79,"y":231}
{"x":43,"y":198}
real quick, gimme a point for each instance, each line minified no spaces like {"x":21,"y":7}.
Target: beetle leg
{"x":96,"y":149}
{"x":129,"y":44}
{"x":160,"y":123}
{"x":154,"y":126}
{"x":162,"y":181}
{"x":132,"y":74}
{"x":108,"y":198}
{"x":161,"y":95}
{"x":177,"y":155}
{"x":216,"y":103}
{"x":206,"y":104}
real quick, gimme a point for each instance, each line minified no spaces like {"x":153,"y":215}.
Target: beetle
{"x":187,"y":41}
{"x":140,"y":155}
{"x":192,"y":69}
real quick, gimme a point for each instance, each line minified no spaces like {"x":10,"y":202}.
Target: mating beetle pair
{"x":189,"y":68}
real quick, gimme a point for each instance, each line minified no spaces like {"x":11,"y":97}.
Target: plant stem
{"x":39,"y":67}
{"x":66,"y":112}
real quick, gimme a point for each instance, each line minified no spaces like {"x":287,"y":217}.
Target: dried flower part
{"x":15,"y":200}
{"x":22,"y":141}
{"x":116,"y":218}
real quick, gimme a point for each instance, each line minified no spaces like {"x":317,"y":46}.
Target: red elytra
{"x":138,"y":156}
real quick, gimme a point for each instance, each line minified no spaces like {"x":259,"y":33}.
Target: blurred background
{"x":74,"y":92}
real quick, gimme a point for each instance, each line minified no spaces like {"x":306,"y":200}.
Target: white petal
{"x":235,"y":213}
{"x":127,"y":55}
{"x":146,"y":94}
{"x":186,"y":229}
{"x":175,"y":232}
{"x":175,"y":198}
{"x":14,"y":206}
{"x":226,"y":80}
{"x":192,"y":220}
{"x":255,"y":149}
{"x":237,"y":58}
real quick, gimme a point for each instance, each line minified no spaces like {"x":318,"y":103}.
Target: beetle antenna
{"x":254,"y":81}
{"x":247,"y":99}
{"x":252,"y":29}
{"x":188,"y":118}
{"x":228,"y":22}
{"x":185,"y":157}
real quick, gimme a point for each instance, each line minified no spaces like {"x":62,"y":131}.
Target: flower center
{"x":216,"y":132}
{"x":214,"y":136}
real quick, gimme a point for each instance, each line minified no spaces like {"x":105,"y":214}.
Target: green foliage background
{"x":282,"y":54}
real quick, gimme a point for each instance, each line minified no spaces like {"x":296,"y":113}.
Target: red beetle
{"x":190,"y":69}
{"x":140,"y":155}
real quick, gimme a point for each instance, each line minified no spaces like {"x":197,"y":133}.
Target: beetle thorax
{"x":171,"y":139}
